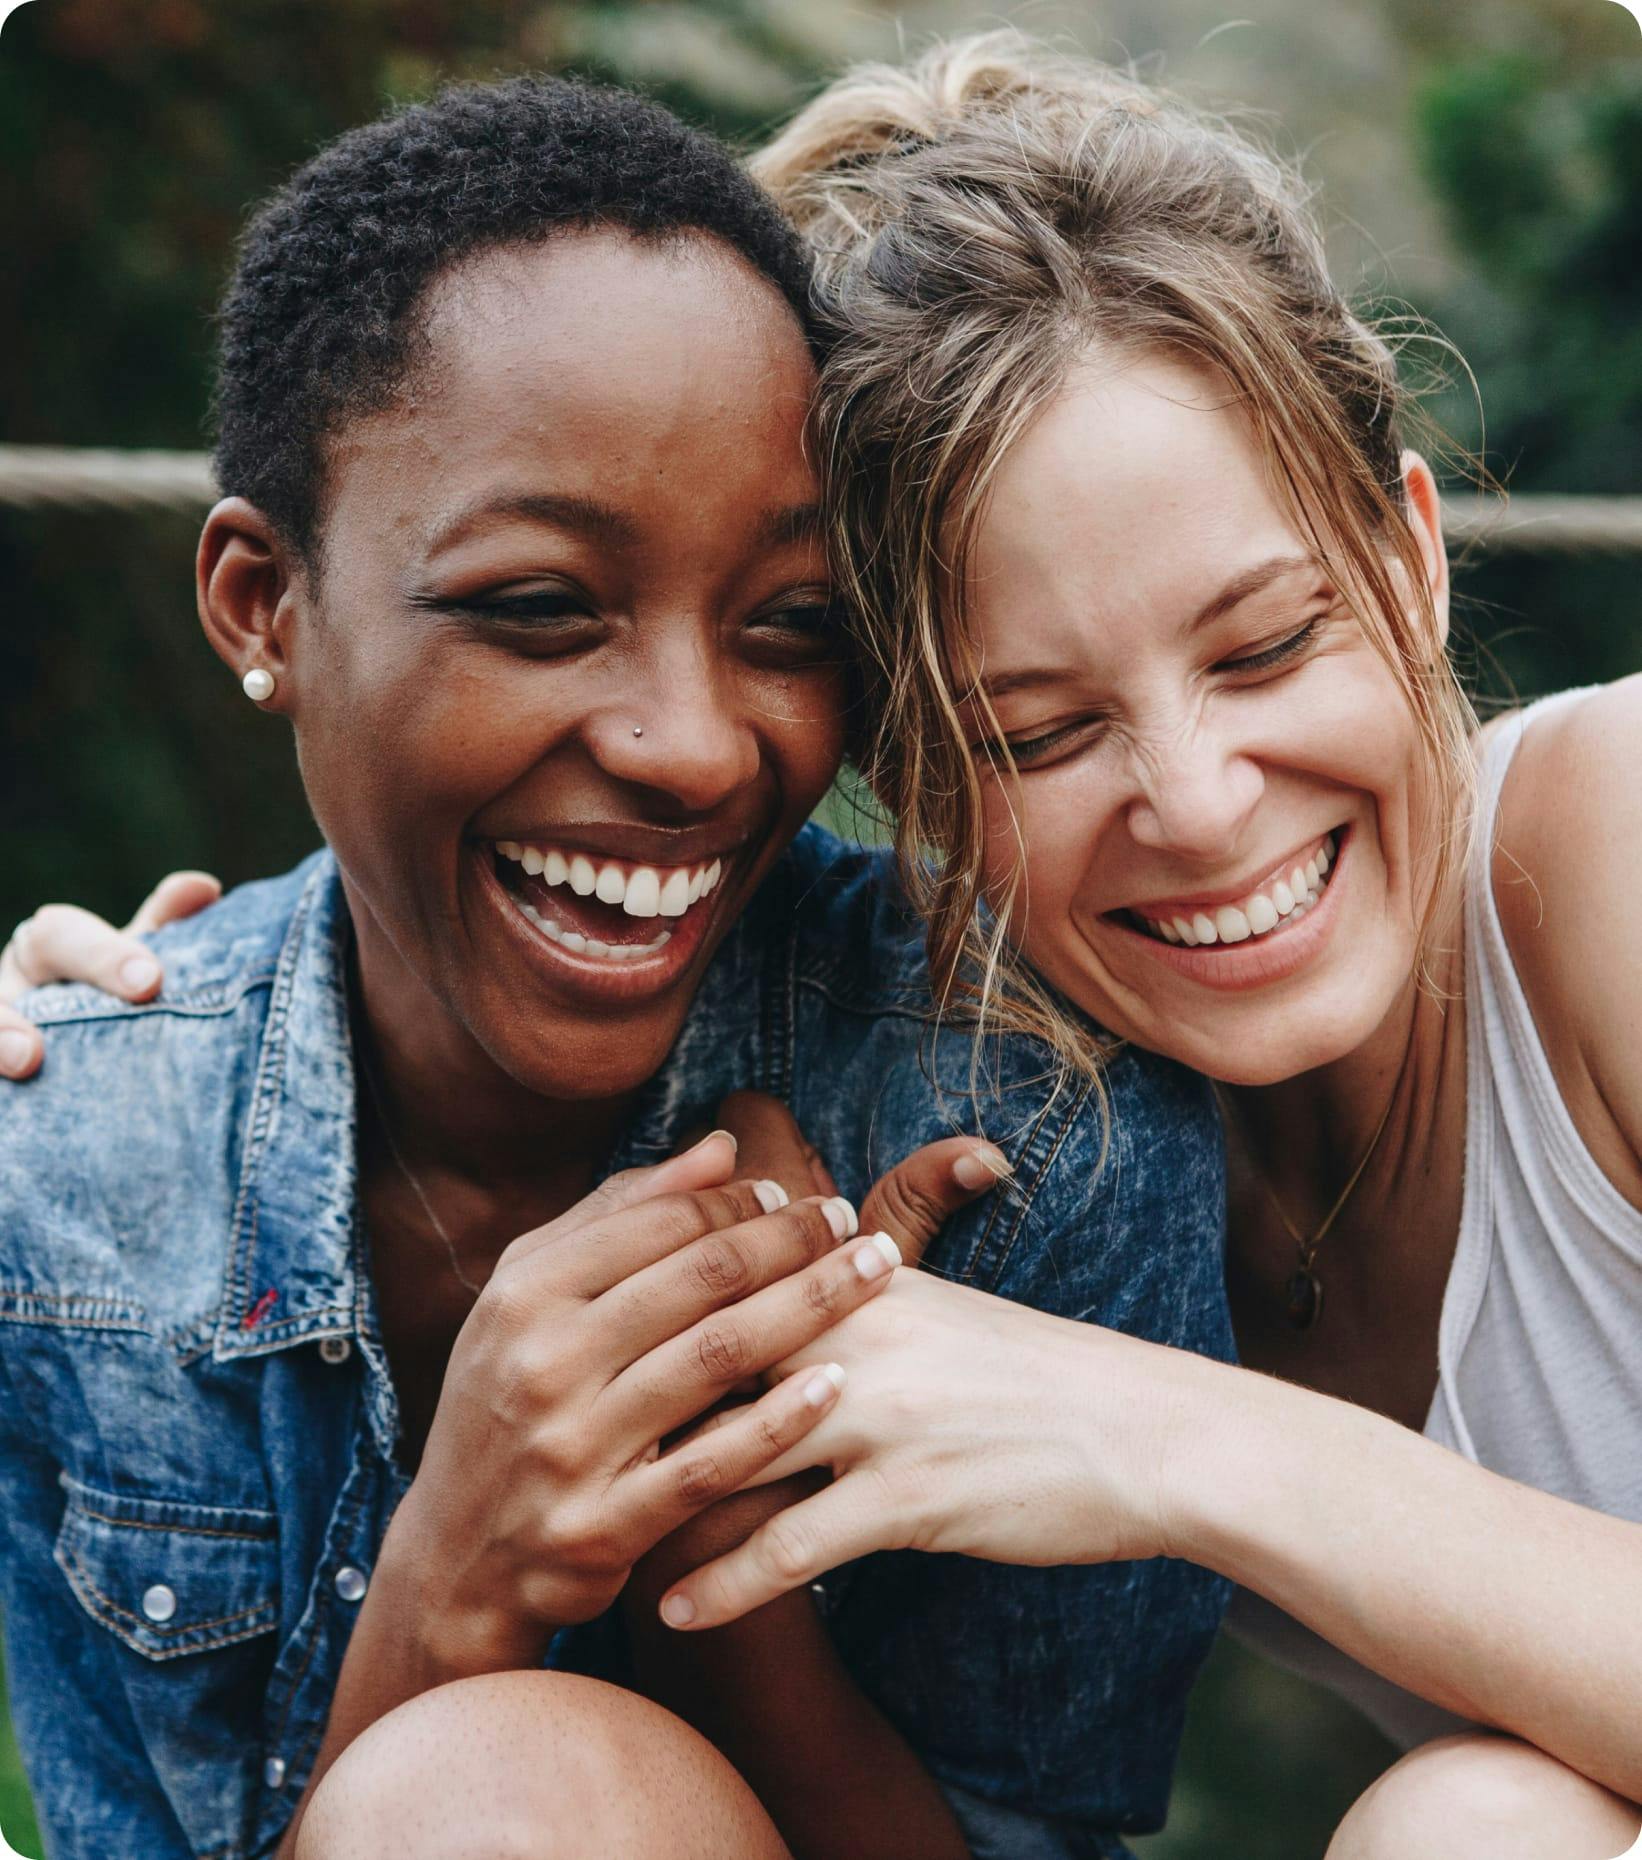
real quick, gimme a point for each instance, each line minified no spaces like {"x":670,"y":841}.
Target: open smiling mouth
{"x":612,"y":911}
{"x":1277,"y":904}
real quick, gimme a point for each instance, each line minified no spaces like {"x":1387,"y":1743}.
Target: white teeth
{"x":643,"y":892}
{"x":1285,"y":899}
{"x":648,"y":891}
{"x":574,"y":942}
{"x":596,"y":948}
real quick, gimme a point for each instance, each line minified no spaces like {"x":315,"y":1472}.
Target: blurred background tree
{"x":1482,"y":162}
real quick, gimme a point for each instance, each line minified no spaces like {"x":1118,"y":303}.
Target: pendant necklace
{"x":417,"y":1189}
{"x":1303,"y":1290}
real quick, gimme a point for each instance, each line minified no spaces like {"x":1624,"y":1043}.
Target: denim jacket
{"x":197,"y":1421}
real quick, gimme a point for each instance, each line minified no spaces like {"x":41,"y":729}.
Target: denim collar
{"x":297,"y":1264}
{"x":293,"y":1271}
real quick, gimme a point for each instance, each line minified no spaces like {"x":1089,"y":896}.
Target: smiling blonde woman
{"x":1153,"y":602}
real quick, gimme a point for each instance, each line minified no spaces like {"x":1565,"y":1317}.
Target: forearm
{"x":770,"y":1691}
{"x":1489,"y":1598}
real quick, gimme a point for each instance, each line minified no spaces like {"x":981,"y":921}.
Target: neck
{"x":1306,"y":1134}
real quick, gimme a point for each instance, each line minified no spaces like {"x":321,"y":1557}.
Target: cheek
{"x":804,"y":736}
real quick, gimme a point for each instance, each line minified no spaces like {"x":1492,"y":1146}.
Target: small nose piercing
{"x":638,"y":729}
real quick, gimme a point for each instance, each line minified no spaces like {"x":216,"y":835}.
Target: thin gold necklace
{"x":417,"y":1189}
{"x":1303,"y":1290}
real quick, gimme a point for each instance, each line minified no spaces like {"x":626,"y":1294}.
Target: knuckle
{"x":723,"y":1352}
{"x":701,"y":1478}
{"x":910,"y":1203}
{"x":721,"y":1268}
{"x":810,"y":1226}
{"x":823,"y":1292}
{"x":787,"y":1549}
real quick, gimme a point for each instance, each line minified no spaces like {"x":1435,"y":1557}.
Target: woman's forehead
{"x":611,"y":367}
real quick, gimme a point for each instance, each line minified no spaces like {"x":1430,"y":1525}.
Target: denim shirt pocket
{"x":190,"y":1592}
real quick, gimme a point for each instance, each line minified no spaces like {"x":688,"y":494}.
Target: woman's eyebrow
{"x":1245,"y":585}
{"x":791,"y":523}
{"x":565,"y":510}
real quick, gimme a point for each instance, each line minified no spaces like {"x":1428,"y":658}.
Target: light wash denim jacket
{"x":197,"y":1422}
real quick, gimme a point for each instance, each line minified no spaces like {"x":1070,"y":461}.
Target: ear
{"x":248,"y":584}
{"x":1424,"y":507}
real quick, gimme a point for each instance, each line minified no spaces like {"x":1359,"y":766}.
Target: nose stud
{"x":638,"y":729}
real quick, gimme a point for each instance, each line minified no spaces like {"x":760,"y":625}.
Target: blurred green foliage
{"x":137,"y":132}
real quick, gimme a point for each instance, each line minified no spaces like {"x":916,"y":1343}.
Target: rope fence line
{"x":34,"y":477}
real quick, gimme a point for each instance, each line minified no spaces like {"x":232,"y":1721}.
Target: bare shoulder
{"x":1569,"y":897}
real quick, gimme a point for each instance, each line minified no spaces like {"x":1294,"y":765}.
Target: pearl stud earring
{"x":257,"y":684}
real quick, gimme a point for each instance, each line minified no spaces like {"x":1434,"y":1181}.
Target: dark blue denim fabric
{"x":197,"y":1422}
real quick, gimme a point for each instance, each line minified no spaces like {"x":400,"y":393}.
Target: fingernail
{"x":678,"y":1611}
{"x":879,"y":1255}
{"x":16,"y":1050}
{"x":771,"y":1195}
{"x":840,"y":1217}
{"x":727,"y":1135}
{"x":823,"y":1385}
{"x":138,"y":973}
{"x":981,"y":1167}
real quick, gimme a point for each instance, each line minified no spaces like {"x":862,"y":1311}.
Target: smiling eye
{"x":1273,"y":656}
{"x":807,"y":629}
{"x":537,"y":606}
{"x":1031,"y":751}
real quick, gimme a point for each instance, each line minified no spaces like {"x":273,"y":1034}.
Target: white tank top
{"x":1540,"y":1342}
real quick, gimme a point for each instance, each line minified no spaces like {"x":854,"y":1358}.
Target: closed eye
{"x":1031,"y":750}
{"x":1273,"y":656}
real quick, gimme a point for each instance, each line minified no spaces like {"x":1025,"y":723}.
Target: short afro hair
{"x":318,"y":322}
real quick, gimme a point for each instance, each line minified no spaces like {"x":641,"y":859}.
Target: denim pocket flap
{"x":170,"y":1578}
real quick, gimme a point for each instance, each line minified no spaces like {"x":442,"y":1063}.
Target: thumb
{"x":709,"y":1164}
{"x":920,"y":1195}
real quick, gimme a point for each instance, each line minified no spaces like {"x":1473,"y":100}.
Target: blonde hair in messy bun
{"x":978,"y":219}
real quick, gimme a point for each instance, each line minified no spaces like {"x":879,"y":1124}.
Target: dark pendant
{"x":1304,"y":1293}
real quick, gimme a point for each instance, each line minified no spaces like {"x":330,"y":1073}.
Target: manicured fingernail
{"x":981,"y":1167}
{"x":771,"y":1195}
{"x":138,"y":974}
{"x":727,"y":1135}
{"x":16,"y":1050}
{"x":879,"y":1255}
{"x":823,"y":1385}
{"x":840,"y":1217}
{"x":678,"y":1611}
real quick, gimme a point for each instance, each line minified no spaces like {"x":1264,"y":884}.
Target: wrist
{"x":453,"y":1637}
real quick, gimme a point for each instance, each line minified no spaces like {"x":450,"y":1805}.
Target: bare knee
{"x":1481,"y":1797}
{"x":533,"y":1766}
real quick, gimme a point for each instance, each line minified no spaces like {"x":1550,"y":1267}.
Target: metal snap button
{"x":273,"y":1772}
{"x":335,"y":1349}
{"x":159,"y":1603}
{"x":350,"y":1583}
